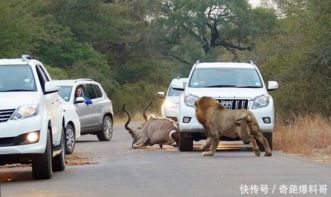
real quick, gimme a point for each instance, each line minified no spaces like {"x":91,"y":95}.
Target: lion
{"x":219,"y":121}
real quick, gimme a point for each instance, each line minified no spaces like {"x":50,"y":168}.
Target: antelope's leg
{"x":140,"y":143}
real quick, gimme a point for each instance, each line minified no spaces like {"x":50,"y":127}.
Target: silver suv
{"x":94,"y":108}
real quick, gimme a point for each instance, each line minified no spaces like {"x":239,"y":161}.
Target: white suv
{"x":31,"y":118}
{"x":169,"y":108}
{"x":236,"y":86}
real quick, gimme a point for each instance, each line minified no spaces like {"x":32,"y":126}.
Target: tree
{"x":298,"y":56}
{"x":231,"y":25}
{"x":18,"y":27}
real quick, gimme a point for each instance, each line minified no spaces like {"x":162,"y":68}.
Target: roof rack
{"x":84,"y":79}
{"x":251,"y":62}
{"x":26,"y":58}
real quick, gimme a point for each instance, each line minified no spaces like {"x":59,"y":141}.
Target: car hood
{"x":12,"y":100}
{"x":231,"y":93}
{"x":173,"y":99}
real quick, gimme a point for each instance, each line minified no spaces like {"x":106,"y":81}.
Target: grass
{"x":308,"y":135}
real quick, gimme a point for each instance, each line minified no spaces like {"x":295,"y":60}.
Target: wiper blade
{"x":248,"y":86}
{"x":221,"y":86}
{"x":17,"y":90}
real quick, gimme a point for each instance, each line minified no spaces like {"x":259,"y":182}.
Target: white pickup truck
{"x":236,"y":86}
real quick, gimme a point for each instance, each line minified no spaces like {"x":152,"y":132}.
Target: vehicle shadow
{"x":86,"y":141}
{"x":197,"y":148}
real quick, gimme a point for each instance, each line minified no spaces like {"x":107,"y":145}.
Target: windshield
{"x":16,"y":78}
{"x":174,"y":92}
{"x":65,"y":92}
{"x":225,"y":77}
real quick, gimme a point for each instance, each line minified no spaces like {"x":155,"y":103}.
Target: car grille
{"x":234,"y":103}
{"x":5,"y":114}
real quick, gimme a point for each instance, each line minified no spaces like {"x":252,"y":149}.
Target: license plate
{"x":227,"y":104}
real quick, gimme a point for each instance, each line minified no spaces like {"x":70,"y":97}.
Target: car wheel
{"x":70,"y":139}
{"x":185,"y":142}
{"x":268,"y":136}
{"x":59,"y":160}
{"x":42,"y":164}
{"x":107,"y":129}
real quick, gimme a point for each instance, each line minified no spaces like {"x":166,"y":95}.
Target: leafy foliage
{"x":298,"y":55}
{"x":135,"y":47}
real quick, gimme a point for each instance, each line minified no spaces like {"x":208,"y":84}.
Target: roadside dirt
{"x":74,"y":159}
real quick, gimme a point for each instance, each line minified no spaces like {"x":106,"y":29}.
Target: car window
{"x":97,"y":91}
{"x":225,"y":77}
{"x":174,"y":92}
{"x":42,"y":77}
{"x":89,"y":91}
{"x":65,"y":92}
{"x":43,"y":71}
{"x":16,"y":78}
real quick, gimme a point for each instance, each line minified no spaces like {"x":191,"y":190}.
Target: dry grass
{"x":308,"y":135}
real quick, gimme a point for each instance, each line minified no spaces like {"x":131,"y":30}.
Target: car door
{"x":99,"y":106}
{"x":86,"y":112}
{"x":91,"y":94}
{"x":52,"y":105}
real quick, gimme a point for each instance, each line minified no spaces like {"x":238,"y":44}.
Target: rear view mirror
{"x":160,"y":94}
{"x":79,"y":100}
{"x":51,"y":87}
{"x":178,"y":86}
{"x":272,"y":85}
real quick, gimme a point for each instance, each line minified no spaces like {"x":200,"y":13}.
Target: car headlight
{"x":169,"y":104}
{"x":25,"y":111}
{"x":261,"y":101}
{"x":190,"y":100}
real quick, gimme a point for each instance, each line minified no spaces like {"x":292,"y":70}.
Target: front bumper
{"x":171,"y":112}
{"x":14,"y":128}
{"x":193,"y":126}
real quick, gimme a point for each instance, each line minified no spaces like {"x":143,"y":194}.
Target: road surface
{"x":113,"y":169}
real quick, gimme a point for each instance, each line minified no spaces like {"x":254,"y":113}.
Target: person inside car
{"x":80,"y":93}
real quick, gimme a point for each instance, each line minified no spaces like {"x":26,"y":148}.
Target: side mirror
{"x":160,"y":95}
{"x":178,"y":86}
{"x":51,"y":87}
{"x":79,"y":100}
{"x":272,"y":85}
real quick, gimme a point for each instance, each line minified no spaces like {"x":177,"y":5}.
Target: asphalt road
{"x":117,"y":170}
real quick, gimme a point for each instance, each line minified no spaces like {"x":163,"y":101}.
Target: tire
{"x":185,"y":142}
{"x":70,"y":139}
{"x":59,"y":160}
{"x":42,"y":164}
{"x":268,"y":136}
{"x":107,"y":129}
